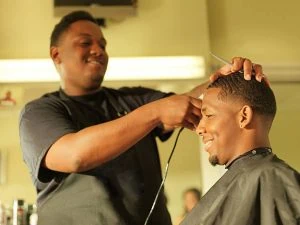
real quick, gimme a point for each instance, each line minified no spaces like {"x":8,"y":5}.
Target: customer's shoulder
{"x":272,"y":166}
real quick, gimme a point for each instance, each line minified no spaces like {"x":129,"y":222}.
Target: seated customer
{"x":258,"y":188}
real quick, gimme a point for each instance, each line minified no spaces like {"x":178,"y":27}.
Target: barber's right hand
{"x":179,"y":111}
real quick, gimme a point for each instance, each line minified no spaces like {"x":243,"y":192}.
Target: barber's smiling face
{"x":82,"y":56}
{"x":219,"y":127}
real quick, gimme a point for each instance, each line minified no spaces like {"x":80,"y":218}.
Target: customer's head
{"x":237,"y":114}
{"x":78,"y":49}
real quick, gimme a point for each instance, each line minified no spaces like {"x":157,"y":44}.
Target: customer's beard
{"x":213,"y":159}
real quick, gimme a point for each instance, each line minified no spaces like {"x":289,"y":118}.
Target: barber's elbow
{"x":73,"y":163}
{"x":67,"y":155}
{"x":78,"y":164}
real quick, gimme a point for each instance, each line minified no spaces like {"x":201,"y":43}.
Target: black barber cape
{"x":257,"y":189}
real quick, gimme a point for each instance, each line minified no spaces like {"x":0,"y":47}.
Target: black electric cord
{"x":164,"y":179}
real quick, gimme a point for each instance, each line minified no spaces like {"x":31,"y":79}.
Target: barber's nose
{"x":96,"y":49}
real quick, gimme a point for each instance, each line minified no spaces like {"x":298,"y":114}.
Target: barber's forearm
{"x":98,"y":144}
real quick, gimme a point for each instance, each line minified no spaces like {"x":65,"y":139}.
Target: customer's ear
{"x":245,"y":116}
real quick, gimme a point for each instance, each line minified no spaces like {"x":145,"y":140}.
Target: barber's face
{"x":219,"y":127}
{"x":81,"y":56}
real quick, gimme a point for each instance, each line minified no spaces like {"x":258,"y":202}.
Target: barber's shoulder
{"x":44,"y":103}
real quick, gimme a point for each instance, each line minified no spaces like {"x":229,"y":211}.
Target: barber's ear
{"x":245,"y":116}
{"x":54,"y":53}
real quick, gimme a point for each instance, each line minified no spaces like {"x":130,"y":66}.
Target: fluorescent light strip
{"x":132,"y":68}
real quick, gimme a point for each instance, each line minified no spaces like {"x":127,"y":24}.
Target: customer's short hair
{"x":258,"y":95}
{"x":65,"y":23}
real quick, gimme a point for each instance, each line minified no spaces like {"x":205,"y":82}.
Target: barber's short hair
{"x":65,"y":23}
{"x":258,"y":95}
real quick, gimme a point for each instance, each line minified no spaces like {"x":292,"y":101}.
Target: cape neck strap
{"x":255,"y":151}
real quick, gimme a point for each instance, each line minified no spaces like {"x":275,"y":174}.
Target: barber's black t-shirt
{"x":120,"y":191}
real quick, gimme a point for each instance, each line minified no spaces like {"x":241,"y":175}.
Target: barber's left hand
{"x":240,"y":63}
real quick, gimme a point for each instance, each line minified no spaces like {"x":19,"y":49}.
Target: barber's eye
{"x":103,"y":46}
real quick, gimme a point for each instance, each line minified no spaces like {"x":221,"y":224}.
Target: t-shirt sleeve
{"x":42,"y":122}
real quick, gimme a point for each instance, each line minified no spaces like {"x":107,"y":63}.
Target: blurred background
{"x":264,"y":31}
